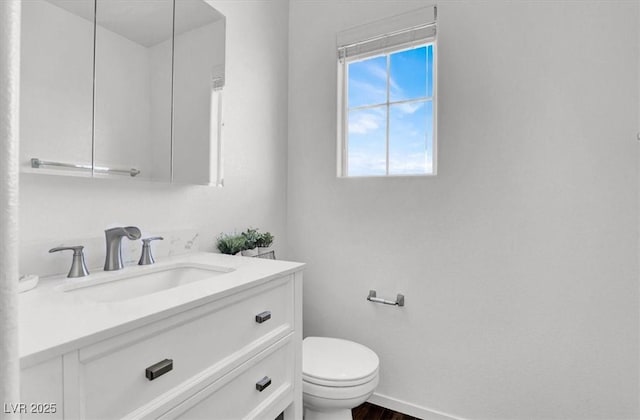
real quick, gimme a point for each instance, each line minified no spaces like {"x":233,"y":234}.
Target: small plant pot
{"x":264,"y":250}
{"x":250,"y":252}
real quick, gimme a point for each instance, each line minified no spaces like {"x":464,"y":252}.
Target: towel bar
{"x":37,"y":163}
{"x":373,"y":298}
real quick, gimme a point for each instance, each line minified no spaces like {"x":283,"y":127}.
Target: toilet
{"x":337,"y":375}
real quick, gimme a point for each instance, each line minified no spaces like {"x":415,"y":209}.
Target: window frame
{"x":343,"y":107}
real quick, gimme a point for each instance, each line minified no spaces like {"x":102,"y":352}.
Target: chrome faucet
{"x":78,"y":266}
{"x":146,"y":257}
{"x":114,"y":236}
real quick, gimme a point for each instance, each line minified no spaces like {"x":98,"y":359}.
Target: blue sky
{"x":410,"y":123}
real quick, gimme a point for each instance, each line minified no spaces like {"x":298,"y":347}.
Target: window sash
{"x":404,"y":101}
{"x":344,"y":109}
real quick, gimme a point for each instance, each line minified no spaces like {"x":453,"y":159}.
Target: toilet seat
{"x":339,"y":384}
{"x":333,"y":362}
{"x":339,"y":392}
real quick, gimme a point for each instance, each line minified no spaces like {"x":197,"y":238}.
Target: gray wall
{"x":519,"y":261}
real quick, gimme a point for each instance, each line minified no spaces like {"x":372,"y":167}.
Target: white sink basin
{"x":140,"y":281}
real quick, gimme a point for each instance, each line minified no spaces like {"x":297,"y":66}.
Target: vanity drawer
{"x":238,"y":394}
{"x":216,"y":337}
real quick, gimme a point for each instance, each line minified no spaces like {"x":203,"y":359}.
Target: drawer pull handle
{"x":263,"y":316}
{"x":263,"y":383}
{"x":159,"y":369}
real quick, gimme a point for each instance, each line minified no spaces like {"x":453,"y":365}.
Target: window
{"x":387,"y":107}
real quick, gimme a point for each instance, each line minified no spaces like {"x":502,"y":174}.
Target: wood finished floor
{"x":368,"y":411}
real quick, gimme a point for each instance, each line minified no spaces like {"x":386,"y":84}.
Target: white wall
{"x":519,"y":260}
{"x":63,"y":209}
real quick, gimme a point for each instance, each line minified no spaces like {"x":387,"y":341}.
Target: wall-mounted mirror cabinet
{"x":120,"y":88}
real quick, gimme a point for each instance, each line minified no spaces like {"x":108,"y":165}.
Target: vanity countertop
{"x":53,"y":322}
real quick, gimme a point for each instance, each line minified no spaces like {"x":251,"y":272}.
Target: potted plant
{"x":264,"y":242}
{"x":251,"y":237}
{"x":231,"y":244}
{"x":250,"y":243}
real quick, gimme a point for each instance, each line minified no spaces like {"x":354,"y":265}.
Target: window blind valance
{"x":406,"y":29}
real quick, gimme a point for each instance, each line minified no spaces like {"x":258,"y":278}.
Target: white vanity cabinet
{"x":235,"y":357}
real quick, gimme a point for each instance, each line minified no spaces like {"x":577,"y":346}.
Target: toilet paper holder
{"x":373,"y":297}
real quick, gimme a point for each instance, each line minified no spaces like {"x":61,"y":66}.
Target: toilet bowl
{"x":337,"y":375}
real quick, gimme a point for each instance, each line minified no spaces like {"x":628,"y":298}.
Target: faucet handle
{"x":154,"y":238}
{"x":78,"y":266}
{"x":147,"y":258}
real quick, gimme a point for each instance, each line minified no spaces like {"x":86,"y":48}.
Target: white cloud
{"x":408,"y":108}
{"x":368,"y":93}
{"x":381,"y":73}
{"x":361,"y":164}
{"x":363,"y":122}
{"x":376,"y":70}
{"x":414,"y":163}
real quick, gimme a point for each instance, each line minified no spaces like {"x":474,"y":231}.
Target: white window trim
{"x":343,"y":109}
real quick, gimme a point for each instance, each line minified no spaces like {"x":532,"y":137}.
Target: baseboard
{"x":409,"y":409}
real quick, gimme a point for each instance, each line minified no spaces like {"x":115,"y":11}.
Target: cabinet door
{"x":133,"y":88}
{"x":56,"y":85}
{"x":41,"y":391}
{"x":199,"y":54}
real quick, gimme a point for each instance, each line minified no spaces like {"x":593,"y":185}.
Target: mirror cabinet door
{"x":133,"y":88}
{"x":56,"y":85}
{"x":122,"y":88}
{"x":199,"y":54}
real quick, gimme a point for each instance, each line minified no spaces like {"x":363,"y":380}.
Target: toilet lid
{"x":334,"y":361}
